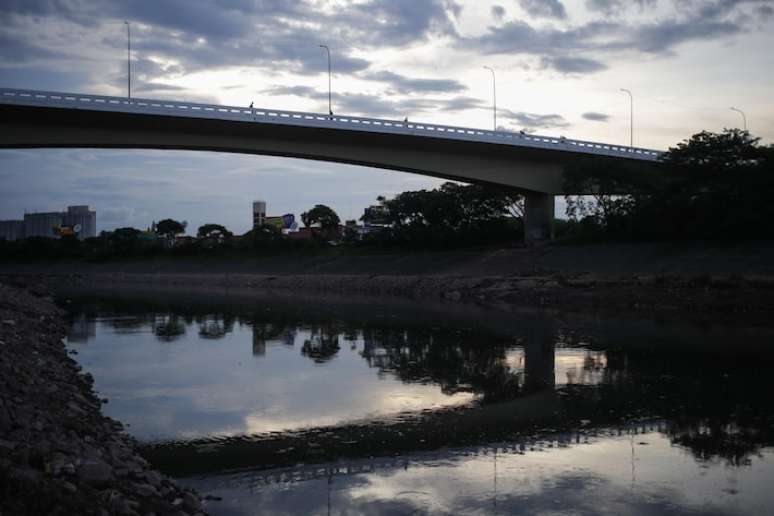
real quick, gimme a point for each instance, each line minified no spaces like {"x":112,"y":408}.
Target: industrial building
{"x":77,"y":220}
{"x":259,"y":213}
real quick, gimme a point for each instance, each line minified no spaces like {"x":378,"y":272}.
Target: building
{"x":11,"y":230}
{"x":42,"y":224}
{"x":259,"y":213}
{"x":80,"y":216}
{"x":77,"y":220}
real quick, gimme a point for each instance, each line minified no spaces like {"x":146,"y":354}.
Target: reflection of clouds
{"x":593,"y":478}
{"x":201,"y":389}
{"x":373,"y":403}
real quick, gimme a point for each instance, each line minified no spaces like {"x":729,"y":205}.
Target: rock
{"x":192,"y":502}
{"x":95,"y":472}
{"x":70,"y":488}
{"x":153,"y":478}
{"x":145,"y":490}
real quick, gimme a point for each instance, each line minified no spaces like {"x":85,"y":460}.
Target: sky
{"x":559,"y":69}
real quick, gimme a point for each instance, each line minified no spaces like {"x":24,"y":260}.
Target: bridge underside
{"x":535,"y":172}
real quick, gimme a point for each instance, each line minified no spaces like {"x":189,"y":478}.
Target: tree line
{"x":711,"y":186}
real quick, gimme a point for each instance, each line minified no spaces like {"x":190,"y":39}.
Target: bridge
{"x":530,"y":163}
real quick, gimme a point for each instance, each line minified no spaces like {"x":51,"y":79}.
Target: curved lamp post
{"x":631,"y":116}
{"x":494,"y":97}
{"x":744,"y":118}
{"x":330,"y":104}
{"x":128,"y":61}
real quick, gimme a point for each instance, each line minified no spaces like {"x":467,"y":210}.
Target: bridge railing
{"x":304,"y":119}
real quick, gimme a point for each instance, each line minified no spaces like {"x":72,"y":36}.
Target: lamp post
{"x":744,"y":118}
{"x":631,"y":116}
{"x":494,"y":97}
{"x":330,"y":104}
{"x":128,"y":62}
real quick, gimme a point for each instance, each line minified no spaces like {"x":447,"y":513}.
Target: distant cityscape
{"x":78,"y":221}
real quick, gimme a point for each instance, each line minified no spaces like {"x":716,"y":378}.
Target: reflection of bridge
{"x":531,"y":163}
{"x":256,"y":478}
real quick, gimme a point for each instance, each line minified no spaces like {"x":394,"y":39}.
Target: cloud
{"x":573,"y":65}
{"x":406,"y":85}
{"x":544,"y":8}
{"x":596,"y":117}
{"x":615,"y":6}
{"x":197,"y":36}
{"x":534,"y":120}
{"x":598,"y":40}
{"x":498,"y":12}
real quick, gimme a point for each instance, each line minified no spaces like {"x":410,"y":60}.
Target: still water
{"x":282,"y":405}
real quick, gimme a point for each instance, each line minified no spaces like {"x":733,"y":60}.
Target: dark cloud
{"x":461,"y":103}
{"x":544,"y":8}
{"x":405,"y":85}
{"x":268,"y":34}
{"x":558,"y":48}
{"x":596,"y":117}
{"x":13,"y":49}
{"x":368,"y":105}
{"x":615,"y":6}
{"x":498,"y":12}
{"x":573,"y":65}
{"x":534,"y":120}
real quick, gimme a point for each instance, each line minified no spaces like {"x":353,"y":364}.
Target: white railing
{"x":297,"y":118}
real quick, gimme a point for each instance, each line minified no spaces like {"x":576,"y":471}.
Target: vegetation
{"x":713,"y":186}
{"x":452,"y":215}
{"x":170,"y":228}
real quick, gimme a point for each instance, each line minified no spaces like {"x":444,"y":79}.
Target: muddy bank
{"x":698,"y":296}
{"x":694,"y":278}
{"x":58,"y":453}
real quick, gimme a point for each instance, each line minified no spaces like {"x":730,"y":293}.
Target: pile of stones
{"x":58,"y":453}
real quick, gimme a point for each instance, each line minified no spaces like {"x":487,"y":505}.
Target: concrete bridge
{"x":530,"y":163}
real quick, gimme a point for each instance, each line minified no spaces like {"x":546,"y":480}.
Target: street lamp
{"x":631,"y":116}
{"x":494,"y":96}
{"x":330,"y":104}
{"x":744,"y":118}
{"x":128,"y":61}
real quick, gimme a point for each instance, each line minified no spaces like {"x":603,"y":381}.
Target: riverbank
{"x":58,"y":453}
{"x":671,"y":280}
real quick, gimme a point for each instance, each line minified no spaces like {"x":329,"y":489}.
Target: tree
{"x":170,"y":228}
{"x":713,"y":185}
{"x":214,"y":231}
{"x":452,"y":214}
{"x":322,"y":215}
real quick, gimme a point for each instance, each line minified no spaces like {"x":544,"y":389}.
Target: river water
{"x":316,"y":405}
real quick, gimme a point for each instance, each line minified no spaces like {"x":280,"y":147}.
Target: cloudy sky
{"x":559,"y":65}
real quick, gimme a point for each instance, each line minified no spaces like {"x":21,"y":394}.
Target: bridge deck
{"x":296,"y":118}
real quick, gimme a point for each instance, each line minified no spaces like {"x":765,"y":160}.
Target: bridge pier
{"x":538,"y":218}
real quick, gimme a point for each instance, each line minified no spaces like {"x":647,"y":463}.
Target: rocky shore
{"x":58,"y":453}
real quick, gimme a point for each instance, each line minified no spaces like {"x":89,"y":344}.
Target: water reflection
{"x":257,"y":386}
{"x":625,"y":470}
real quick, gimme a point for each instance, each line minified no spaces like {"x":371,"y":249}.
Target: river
{"x":275,"y":404}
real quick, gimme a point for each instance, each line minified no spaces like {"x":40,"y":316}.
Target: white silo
{"x":259,"y":213}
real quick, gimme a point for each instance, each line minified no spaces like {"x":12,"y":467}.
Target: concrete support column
{"x":538,"y":217}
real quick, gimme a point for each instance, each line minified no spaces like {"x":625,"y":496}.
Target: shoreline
{"x":716,"y":297}
{"x":58,"y":453}
{"x":697,"y":280}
